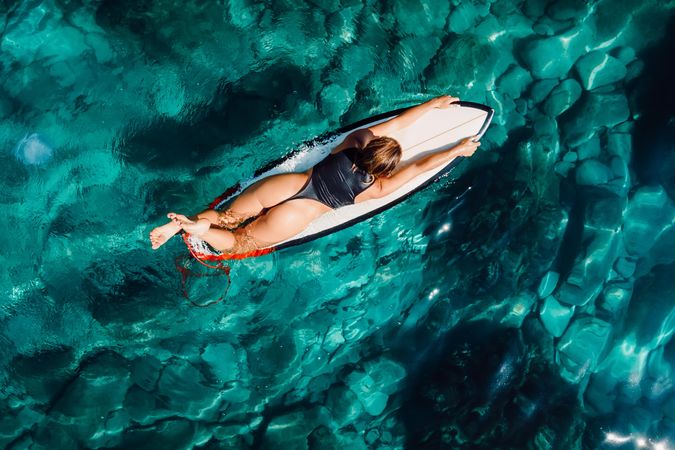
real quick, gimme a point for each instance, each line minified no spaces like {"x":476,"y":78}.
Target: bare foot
{"x":196,"y":228}
{"x":160,"y":235}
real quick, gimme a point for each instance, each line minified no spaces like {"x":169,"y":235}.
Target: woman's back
{"x":337,"y":180}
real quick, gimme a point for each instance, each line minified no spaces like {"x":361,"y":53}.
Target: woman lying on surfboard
{"x":364,"y":166}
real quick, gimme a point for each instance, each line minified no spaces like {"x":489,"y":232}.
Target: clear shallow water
{"x":534,"y":310}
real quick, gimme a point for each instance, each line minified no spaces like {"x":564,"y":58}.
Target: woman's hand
{"x":466,"y":146}
{"x":442,"y":102}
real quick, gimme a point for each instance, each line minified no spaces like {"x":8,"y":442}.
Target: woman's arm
{"x":410,"y":115}
{"x":407,"y":172}
{"x":361,"y":137}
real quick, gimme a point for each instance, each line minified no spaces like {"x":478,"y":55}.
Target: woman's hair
{"x":379,"y":157}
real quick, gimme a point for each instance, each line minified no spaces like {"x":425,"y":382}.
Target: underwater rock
{"x":546,"y":130}
{"x":496,"y":29}
{"x":599,"y":398}
{"x":102,"y":49}
{"x":593,"y":112}
{"x":235,"y":392}
{"x":592,"y":172}
{"x":570,"y":156}
{"x":534,"y":8}
{"x":291,"y":430}
{"x":53,"y":434}
{"x":599,"y":69}
{"x":185,"y":391}
{"x":633,"y":22}
{"x":562,"y":168}
{"x":67,"y":74}
{"x":333,"y":339}
{"x":590,"y":269}
{"x":168,"y":93}
{"x":465,"y":63}
{"x":368,"y":392}
{"x":353,"y":63}
{"x":581,"y":347}
{"x":420,"y":18}
{"x":334,"y":100}
{"x":651,"y":321}
{"x":342,"y":25}
{"x":620,"y":144}
{"x":63,"y":45}
{"x":413,"y":54}
{"x":604,"y":213}
{"x":323,"y":438}
{"x":386,"y":374}
{"x":117,"y":421}
{"x":24,"y":31}
{"x":548,"y":283}
{"x":615,"y":297}
{"x":555,"y":316}
{"x":6,"y":106}
{"x":567,"y":47}
{"x":99,"y":388}
{"x":624,"y":54}
{"x":343,"y":404}
{"x":625,"y":266}
{"x":567,"y":9}
{"x":143,"y":406}
{"x":663,"y":250}
{"x":514,"y":82}
{"x":589,"y":149}
{"x":659,"y":367}
{"x":171,"y":433}
{"x":464,"y":16}
{"x":562,"y":97}
{"x":541,"y":89}
{"x":634,"y":69}
{"x":44,"y":373}
{"x":244,"y":14}
{"x":521,"y":305}
{"x":223,"y":361}
{"x":619,"y":369}
{"x":649,"y":211}
{"x":33,"y":150}
{"x":273,"y":357}
{"x":145,"y":371}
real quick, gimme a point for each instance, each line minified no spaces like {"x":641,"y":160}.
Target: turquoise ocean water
{"x":535,"y":310}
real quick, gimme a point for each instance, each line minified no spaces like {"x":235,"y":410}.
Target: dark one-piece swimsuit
{"x":334,"y":183}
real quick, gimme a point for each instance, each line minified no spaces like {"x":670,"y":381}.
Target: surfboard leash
{"x":182,"y":265}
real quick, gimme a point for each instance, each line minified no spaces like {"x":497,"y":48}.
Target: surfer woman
{"x":364,"y":166}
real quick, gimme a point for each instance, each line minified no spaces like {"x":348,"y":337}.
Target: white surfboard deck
{"x":436,"y":130}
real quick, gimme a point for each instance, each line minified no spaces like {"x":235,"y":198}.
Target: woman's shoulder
{"x":361,"y":138}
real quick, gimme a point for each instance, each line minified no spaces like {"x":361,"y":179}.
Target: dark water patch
{"x":480,"y":387}
{"x":132,"y":18}
{"x":574,"y":203}
{"x":43,"y":373}
{"x":653,"y":94}
{"x":124,"y":297}
{"x":14,"y":175}
{"x":236,"y":114}
{"x":499,"y":222}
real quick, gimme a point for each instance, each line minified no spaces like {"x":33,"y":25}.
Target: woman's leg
{"x":279,"y":224}
{"x":160,"y":235}
{"x":262,"y":194}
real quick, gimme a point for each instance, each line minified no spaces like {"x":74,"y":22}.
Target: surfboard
{"x":437,"y":130}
